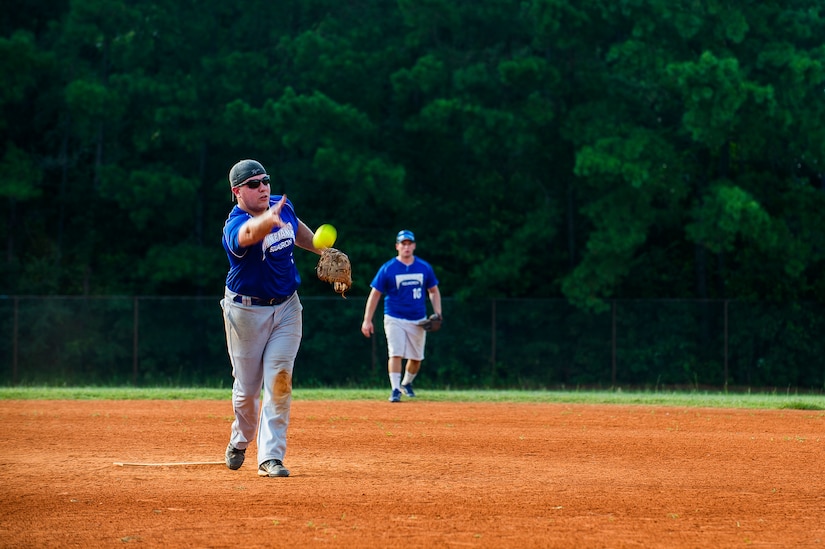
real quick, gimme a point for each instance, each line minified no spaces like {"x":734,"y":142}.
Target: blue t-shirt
{"x":405,"y":287}
{"x":267,"y":268}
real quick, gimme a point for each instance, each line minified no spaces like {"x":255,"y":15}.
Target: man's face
{"x":405,"y":248}
{"x":253,"y":194}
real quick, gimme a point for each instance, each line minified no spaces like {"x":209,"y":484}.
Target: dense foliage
{"x":541,"y":148}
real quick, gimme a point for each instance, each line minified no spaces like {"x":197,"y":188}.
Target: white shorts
{"x":405,"y":338}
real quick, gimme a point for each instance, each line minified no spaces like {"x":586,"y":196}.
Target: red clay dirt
{"x":417,"y":474}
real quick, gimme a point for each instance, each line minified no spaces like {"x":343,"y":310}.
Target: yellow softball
{"x":324,"y":236}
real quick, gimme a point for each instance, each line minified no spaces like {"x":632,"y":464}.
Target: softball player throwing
{"x":262,"y":315}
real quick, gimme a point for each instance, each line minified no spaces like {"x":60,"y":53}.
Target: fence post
{"x":613,"y":347}
{"x":726,"y":345}
{"x":374,"y":353}
{"x":15,"y":336}
{"x":493,"y":342}
{"x":136,"y":317}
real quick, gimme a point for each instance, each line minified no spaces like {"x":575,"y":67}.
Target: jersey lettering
{"x":280,"y":239}
{"x":412,"y":279}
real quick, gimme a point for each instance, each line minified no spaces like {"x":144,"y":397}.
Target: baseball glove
{"x":334,"y":267}
{"x":431,"y":324}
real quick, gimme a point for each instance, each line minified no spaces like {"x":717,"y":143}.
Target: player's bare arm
{"x":369,"y":310}
{"x":303,"y":238}
{"x":435,"y":299}
{"x":254,"y":230}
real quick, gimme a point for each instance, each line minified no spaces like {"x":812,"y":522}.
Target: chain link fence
{"x":501,"y":343}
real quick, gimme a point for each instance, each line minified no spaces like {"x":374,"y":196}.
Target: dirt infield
{"x":417,"y":474}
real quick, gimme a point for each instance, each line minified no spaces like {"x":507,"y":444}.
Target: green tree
{"x":675,"y":133}
{"x":539,"y":149}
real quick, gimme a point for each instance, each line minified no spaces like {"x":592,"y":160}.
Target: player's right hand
{"x":366,"y":328}
{"x":275,"y":212}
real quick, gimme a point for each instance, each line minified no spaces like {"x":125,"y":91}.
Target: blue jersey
{"x":267,"y":268}
{"x":404,"y":287}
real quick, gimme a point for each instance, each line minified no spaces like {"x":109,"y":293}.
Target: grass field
{"x":771,"y":400}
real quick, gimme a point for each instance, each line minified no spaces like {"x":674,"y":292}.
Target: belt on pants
{"x":249,"y":300}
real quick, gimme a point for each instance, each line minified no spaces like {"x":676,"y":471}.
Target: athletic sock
{"x":395,"y":380}
{"x":408,"y":378}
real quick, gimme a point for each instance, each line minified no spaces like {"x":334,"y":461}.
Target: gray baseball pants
{"x":263,"y":342}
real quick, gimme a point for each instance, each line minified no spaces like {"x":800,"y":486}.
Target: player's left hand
{"x":334,"y":267}
{"x":431,"y":323}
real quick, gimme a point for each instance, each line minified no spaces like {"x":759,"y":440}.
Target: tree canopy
{"x":538,"y":148}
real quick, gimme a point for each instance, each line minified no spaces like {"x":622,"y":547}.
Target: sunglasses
{"x":257,"y":183}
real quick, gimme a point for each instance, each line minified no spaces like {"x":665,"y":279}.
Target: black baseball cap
{"x":243,"y":170}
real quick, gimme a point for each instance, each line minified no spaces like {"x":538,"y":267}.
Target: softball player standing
{"x":403,"y":280}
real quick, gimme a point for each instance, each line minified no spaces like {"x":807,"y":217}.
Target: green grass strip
{"x":647,"y":398}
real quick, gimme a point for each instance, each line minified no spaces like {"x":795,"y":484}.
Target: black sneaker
{"x":273,"y":468}
{"x":234,"y":457}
